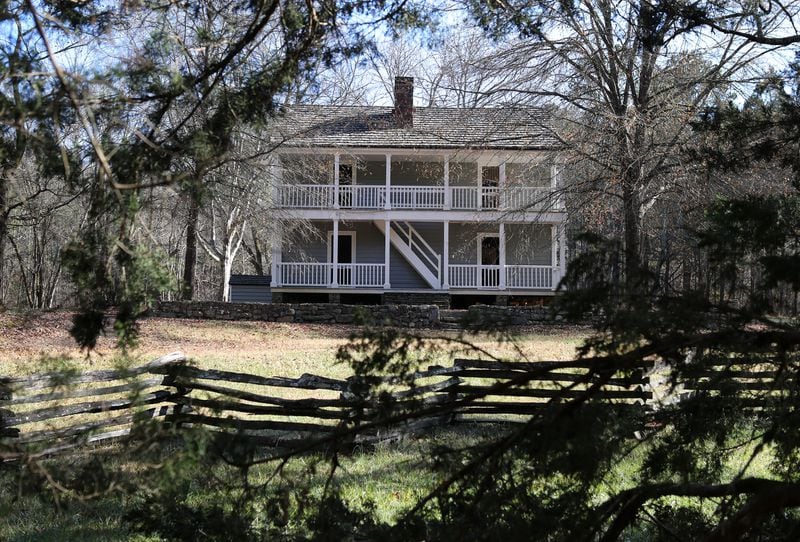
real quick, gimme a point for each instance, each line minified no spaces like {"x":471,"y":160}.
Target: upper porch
{"x":429,"y":181}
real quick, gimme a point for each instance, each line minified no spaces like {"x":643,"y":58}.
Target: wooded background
{"x":190,"y":173}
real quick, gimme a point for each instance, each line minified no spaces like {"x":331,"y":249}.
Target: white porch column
{"x":562,"y":251}
{"x":502,"y":256}
{"x":335,"y":258}
{"x":448,"y":199}
{"x":388,"y":202}
{"x":276,"y":178}
{"x":557,"y":185}
{"x":446,"y":260}
{"x":387,"y":250}
{"x":554,"y":254}
{"x":276,"y":254}
{"x":501,"y":184}
{"x":336,"y":158}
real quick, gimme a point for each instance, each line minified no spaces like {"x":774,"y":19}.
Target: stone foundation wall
{"x":512,"y":316}
{"x":417,"y":298}
{"x":410,"y":316}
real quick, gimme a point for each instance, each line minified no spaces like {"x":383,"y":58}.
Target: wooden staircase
{"x":413,"y":247}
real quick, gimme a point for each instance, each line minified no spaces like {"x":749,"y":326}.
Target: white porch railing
{"x":361,"y":275}
{"x":474,"y":276}
{"x":321,"y":196}
{"x":348,"y":275}
{"x":371,"y":275}
{"x":305,"y":196}
{"x":304,"y":274}
{"x":362,"y":196}
{"x":538,"y":277}
{"x":528,"y":198}
{"x":519,"y":277}
{"x":417,"y":197}
{"x":464,"y":197}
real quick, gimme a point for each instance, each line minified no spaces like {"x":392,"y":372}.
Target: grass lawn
{"x":265,"y":348}
{"x":389,"y":476}
{"x":388,"y":479}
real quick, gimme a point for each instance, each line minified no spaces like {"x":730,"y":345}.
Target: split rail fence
{"x":56,"y":412}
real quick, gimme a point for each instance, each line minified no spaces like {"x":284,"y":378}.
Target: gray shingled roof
{"x":434,"y":127}
{"x":250,"y":280}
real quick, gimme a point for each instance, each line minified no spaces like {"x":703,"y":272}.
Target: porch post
{"x":276,"y":254}
{"x":501,"y":184}
{"x":336,"y":158}
{"x":277,"y":181}
{"x":556,"y":184}
{"x":388,"y":202}
{"x":562,"y":250}
{"x":387,"y":249}
{"x":448,"y":199}
{"x":502,"y":256}
{"x":446,"y":261}
{"x":335,"y":259}
{"x":554,"y":254}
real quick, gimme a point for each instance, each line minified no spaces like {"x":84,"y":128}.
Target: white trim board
{"x":432,"y":215}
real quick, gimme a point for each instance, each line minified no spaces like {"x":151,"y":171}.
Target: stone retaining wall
{"x":410,"y":316}
{"x":415,"y":316}
{"x":511,"y":316}
{"x":416,"y":298}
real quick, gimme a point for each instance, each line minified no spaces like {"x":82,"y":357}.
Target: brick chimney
{"x":404,"y":101}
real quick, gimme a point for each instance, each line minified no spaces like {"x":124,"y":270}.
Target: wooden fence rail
{"x":56,"y":412}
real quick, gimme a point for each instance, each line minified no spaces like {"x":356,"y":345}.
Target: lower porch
{"x":389,"y":256}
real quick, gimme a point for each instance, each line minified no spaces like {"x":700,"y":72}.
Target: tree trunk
{"x":255,"y":254}
{"x":190,"y":257}
{"x":3,"y":232}
{"x":227,"y":265}
{"x":631,"y":221}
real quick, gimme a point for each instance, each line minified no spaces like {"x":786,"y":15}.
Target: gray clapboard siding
{"x":464,"y":241}
{"x":250,"y":289}
{"x":250,"y":294}
{"x":528,"y":244}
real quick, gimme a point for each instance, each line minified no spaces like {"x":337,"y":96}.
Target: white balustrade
{"x":320,"y":196}
{"x":464,"y":197}
{"x":417,"y":197}
{"x":314,"y":196}
{"x":304,"y":274}
{"x":361,"y":275}
{"x":349,"y":275}
{"x":488,"y":276}
{"x":490,"y":198}
{"x":463,"y":276}
{"x":537,"y":277}
{"x":527,"y":198}
{"x":474,"y":276}
{"x":362,"y":196}
{"x":520,"y":277}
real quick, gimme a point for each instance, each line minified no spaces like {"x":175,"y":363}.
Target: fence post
{"x":170,"y":379}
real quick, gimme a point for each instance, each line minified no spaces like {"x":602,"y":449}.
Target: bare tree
{"x":629,"y":77}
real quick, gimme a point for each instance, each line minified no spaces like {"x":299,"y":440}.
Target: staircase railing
{"x":420,"y":247}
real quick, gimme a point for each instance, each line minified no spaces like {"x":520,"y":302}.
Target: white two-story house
{"x":407,"y":204}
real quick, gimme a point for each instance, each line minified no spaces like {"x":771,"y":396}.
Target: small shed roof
{"x":250,"y":280}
